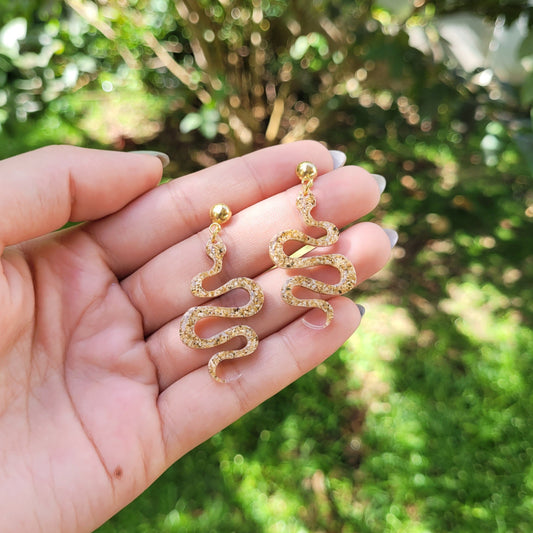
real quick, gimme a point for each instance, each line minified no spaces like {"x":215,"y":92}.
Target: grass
{"x":413,"y":426}
{"x":421,"y":422}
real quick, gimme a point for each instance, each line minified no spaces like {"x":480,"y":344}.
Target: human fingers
{"x":196,"y":407}
{"x":44,"y":189}
{"x":366,"y":245}
{"x":180,"y":208}
{"x":160,"y":289}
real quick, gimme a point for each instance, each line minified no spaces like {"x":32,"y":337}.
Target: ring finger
{"x":365,"y":244}
{"x":342,"y":196}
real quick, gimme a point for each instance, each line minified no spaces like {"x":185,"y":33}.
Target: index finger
{"x":179,"y":209}
{"x":44,"y":189}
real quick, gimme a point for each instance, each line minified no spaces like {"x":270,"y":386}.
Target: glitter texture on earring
{"x":305,"y":202}
{"x":216,"y":250}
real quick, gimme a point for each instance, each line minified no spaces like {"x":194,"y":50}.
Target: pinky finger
{"x":196,"y":407}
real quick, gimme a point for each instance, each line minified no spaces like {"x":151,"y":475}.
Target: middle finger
{"x":160,"y":290}
{"x":366,"y":245}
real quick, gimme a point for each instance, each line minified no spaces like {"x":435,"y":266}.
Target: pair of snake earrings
{"x":216,"y":249}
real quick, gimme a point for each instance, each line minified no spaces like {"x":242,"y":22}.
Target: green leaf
{"x":209,"y":129}
{"x":526,"y":48}
{"x":210,"y":115}
{"x":210,"y":119}
{"x":300,"y":47}
{"x":526,"y":92}
{"x":6,"y":64}
{"x":190,"y":122}
{"x":13,"y":32}
{"x":524,"y":141}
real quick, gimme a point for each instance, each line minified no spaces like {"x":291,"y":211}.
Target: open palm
{"x":98,"y":396}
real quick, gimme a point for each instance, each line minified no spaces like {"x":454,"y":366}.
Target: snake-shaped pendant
{"x":216,"y":250}
{"x":305,"y":202}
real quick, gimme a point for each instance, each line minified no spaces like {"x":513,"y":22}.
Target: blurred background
{"x":423,"y":421}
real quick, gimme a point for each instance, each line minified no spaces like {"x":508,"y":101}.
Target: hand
{"x":98,"y":396}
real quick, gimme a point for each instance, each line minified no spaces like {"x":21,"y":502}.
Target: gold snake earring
{"x":305,"y":202}
{"x":216,"y":249}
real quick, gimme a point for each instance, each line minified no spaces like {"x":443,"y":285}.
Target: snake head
{"x":305,"y":202}
{"x":215,"y":249}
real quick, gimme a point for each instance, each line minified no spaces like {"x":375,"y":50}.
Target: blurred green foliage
{"x":421,"y":422}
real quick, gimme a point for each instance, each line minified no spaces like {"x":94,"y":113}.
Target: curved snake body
{"x":305,"y":203}
{"x":216,"y":251}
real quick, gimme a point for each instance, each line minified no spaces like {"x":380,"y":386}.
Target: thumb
{"x":42,"y":190}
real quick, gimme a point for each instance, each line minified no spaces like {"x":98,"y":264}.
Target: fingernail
{"x":381,"y":181}
{"x":339,"y":158}
{"x":165,"y":160}
{"x":392,"y":235}
{"x":314,"y":326}
{"x":362,"y":310}
{"x":229,"y":376}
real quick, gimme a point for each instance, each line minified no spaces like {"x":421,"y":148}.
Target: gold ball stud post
{"x":306,"y":171}
{"x":220,"y":213}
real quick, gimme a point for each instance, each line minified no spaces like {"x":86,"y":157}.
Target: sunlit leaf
{"x":208,"y":129}
{"x":524,"y":141}
{"x":526,"y":48}
{"x":526,"y":92}
{"x":10,"y":35}
{"x":300,"y":47}
{"x":190,"y":122}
